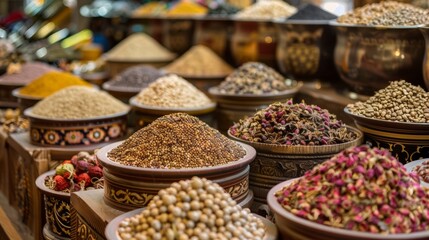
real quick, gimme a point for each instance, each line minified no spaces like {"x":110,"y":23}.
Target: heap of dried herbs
{"x":293,"y":124}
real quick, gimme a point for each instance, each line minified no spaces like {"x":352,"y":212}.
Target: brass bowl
{"x":146,"y":114}
{"x":293,"y":227}
{"x":406,"y":141}
{"x":305,"y":49}
{"x":254,"y":40}
{"x":57,"y":209}
{"x":276,"y":163}
{"x":128,"y":187}
{"x":232,"y":108}
{"x":367,"y":58}
{"x":112,"y":233}
{"x":76,"y":132}
{"x":425,"y":31}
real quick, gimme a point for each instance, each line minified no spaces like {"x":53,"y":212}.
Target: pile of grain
{"x":199,"y":61}
{"x":139,"y":47}
{"x":78,"y":103}
{"x":177,"y":141}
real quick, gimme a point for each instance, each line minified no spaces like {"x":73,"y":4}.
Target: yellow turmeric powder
{"x":187,"y":8}
{"x":51,"y":82}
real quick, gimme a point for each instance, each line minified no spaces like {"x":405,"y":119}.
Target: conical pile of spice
{"x":51,"y":82}
{"x":293,"y":124}
{"x":386,"y":13}
{"x":187,"y":8}
{"x":78,"y":103}
{"x":174,"y":92}
{"x":177,"y":141}
{"x":360,"y":189}
{"x":136,"y":78}
{"x":139,"y":47}
{"x":192,"y":209}
{"x":199,"y":61}
{"x":26,"y":73}
{"x":399,"y":102}
{"x":254,"y":78}
{"x":267,"y":10}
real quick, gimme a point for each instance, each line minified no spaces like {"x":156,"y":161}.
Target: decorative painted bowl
{"x":63,"y":132}
{"x":112,"y":228}
{"x":232,"y":108}
{"x":305,"y":49}
{"x":367,"y":58}
{"x":293,"y":227}
{"x":406,"y":141}
{"x":128,"y":187}
{"x":57,"y":209}
{"x":277,"y":163}
{"x":146,"y":114}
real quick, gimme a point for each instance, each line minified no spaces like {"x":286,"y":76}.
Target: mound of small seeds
{"x":293,"y":124}
{"x":254,"y":78}
{"x":199,"y":61}
{"x":78,"y":103}
{"x":172,"y":91}
{"x":387,"y":13}
{"x":360,"y":189}
{"x":400,"y":102}
{"x":177,"y":141}
{"x":195,"y":209}
{"x":267,"y":10}
{"x":137,"y":77}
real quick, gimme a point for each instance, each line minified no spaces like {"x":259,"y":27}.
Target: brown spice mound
{"x":200,"y":61}
{"x":177,"y":141}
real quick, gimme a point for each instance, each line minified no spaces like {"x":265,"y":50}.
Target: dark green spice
{"x":293,"y":124}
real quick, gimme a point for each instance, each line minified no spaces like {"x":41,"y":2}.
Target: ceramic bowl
{"x":146,"y":114}
{"x":276,"y":163}
{"x":7,"y":99}
{"x":62,"y":132}
{"x":406,"y":141}
{"x":57,"y":209}
{"x":293,"y":227}
{"x":128,"y":187}
{"x":232,"y":108}
{"x":112,"y":233}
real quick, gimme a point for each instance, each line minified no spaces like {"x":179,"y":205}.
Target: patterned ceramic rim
{"x":195,"y":110}
{"x":387,"y":123}
{"x":293,"y":149}
{"x":112,"y":233}
{"x":28,"y":113}
{"x":109,"y":164}
{"x":278,"y":209}
{"x":80,"y":132}
{"x":296,"y":85}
